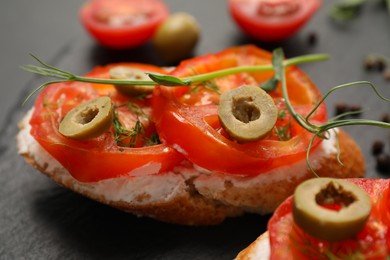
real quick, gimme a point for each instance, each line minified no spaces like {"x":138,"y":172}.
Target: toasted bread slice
{"x":192,"y":196}
{"x":259,"y":249}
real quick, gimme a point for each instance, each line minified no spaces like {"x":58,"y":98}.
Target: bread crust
{"x":189,"y":196}
{"x":258,"y":250}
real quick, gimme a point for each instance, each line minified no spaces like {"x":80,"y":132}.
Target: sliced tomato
{"x":101,"y":157}
{"x":383,"y":210}
{"x":272,"y":20}
{"x":122,"y":24}
{"x":288,"y":241}
{"x":186,"y":118}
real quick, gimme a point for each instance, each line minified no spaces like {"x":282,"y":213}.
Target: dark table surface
{"x":39,"y":220}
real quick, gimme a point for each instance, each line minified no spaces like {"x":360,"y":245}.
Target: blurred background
{"x":51,"y":30}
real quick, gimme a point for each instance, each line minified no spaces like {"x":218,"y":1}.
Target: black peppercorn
{"x":383,"y":163}
{"x":312,"y":38}
{"x":341,"y":108}
{"x":386,"y":74}
{"x":377,"y":147}
{"x":370,"y":63}
{"x":381,"y":65}
{"x":356,"y":109}
{"x":386,"y":118}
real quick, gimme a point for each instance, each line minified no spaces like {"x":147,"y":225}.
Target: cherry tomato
{"x":102,"y":157}
{"x":187,"y":120}
{"x":122,"y":24}
{"x":272,"y":20}
{"x":288,"y":241}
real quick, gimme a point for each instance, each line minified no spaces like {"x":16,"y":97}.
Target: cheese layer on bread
{"x":142,"y":191}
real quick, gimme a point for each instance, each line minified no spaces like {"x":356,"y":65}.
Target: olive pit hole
{"x":87,"y":115}
{"x":245,"y":110}
{"x":334,"y":194}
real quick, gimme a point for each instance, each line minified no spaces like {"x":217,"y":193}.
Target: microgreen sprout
{"x":322,"y":131}
{"x":157,"y":79}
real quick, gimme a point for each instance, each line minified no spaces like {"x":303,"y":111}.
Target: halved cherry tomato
{"x":288,"y":241}
{"x":121,"y":24}
{"x":272,"y":20}
{"x":186,"y":118}
{"x":101,"y":157}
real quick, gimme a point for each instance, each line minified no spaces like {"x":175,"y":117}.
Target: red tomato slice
{"x":288,"y":241}
{"x":187,"y":118}
{"x":272,"y":20}
{"x":99,"y":158}
{"x":383,"y":210}
{"x":122,"y":24}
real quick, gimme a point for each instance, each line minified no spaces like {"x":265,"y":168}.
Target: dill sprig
{"x":284,"y":132}
{"x":137,"y":132}
{"x":133,"y":107}
{"x":121,"y":133}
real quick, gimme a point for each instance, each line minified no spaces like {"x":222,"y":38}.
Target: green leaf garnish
{"x":270,"y":84}
{"x":277,"y":63}
{"x":346,"y":10}
{"x":167,"y":80}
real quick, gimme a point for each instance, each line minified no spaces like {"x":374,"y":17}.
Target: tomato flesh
{"x":122,"y":24}
{"x":99,"y":158}
{"x":270,"y":20}
{"x":187,"y":120}
{"x":288,"y":241}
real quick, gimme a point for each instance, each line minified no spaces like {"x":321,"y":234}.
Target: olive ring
{"x":329,"y":224}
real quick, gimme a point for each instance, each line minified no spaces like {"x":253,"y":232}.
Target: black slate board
{"x":39,"y":220}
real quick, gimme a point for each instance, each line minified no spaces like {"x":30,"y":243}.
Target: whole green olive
{"x":177,"y":37}
{"x":310,"y":212}
{"x":128,"y":73}
{"x":247,"y":113}
{"x":88,"y":120}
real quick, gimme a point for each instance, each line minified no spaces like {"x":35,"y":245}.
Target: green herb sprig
{"x":137,"y":132}
{"x":157,"y":79}
{"x":321,"y":131}
{"x":346,"y":10}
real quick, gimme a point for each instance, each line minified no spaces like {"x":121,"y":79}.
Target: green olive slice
{"x":177,"y":37}
{"x":247,"y":113}
{"x":121,"y":72}
{"x":329,"y":224}
{"x":88,"y":120}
